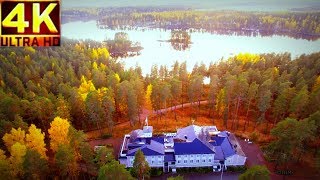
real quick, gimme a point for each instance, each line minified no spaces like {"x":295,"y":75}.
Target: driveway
{"x":253,"y":153}
{"x":114,"y":142}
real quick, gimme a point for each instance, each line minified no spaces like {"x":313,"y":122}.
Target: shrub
{"x":254,"y":136}
{"x":176,"y":178}
{"x":239,"y":169}
{"x":156,"y":171}
{"x":256,"y":172}
{"x":106,"y":136}
{"x":132,"y":172}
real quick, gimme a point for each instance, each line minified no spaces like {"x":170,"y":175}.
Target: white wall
{"x":194,"y":160}
{"x":153,"y":161}
{"x":235,"y":160}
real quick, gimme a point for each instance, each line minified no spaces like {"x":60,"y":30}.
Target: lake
{"x":205,"y":47}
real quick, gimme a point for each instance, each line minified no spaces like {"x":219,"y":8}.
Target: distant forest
{"x":295,"y":24}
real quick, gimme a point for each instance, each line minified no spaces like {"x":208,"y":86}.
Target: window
{"x":197,"y":160}
{"x":191,"y":161}
{"x":152,"y":162}
{"x":209,"y":160}
{"x":178,"y":162}
{"x":203,"y":160}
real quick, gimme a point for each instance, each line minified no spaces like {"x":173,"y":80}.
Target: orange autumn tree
{"x":148,"y":96}
{"x":58,"y":133}
{"x":66,"y":143}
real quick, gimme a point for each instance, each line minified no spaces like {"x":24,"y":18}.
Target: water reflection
{"x":206,"y":47}
{"x":180,"y":40}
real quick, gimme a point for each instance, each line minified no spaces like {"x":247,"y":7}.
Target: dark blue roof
{"x":169,"y":157}
{"x":217,"y":141}
{"x":219,"y":154}
{"x":227,"y":148}
{"x":133,"y":146}
{"x":159,"y":139}
{"x":152,"y":149}
{"x":194,"y":147}
{"x":146,"y":151}
{"x":225,"y":145}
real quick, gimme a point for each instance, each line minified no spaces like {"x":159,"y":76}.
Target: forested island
{"x":64,"y":110}
{"x":269,"y":97}
{"x":180,"y":40}
{"x":121,"y":46}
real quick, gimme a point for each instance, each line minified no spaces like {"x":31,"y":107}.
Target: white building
{"x":192,"y":146}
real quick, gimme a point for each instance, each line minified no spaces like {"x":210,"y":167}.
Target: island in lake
{"x":166,"y":90}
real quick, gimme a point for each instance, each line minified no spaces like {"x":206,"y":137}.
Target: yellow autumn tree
{"x":103,"y":52}
{"x":18,"y":151}
{"x":16,"y":135}
{"x":220,"y":102}
{"x":5,"y":167}
{"x":2,"y":155}
{"x":58,"y":133}
{"x":117,"y":77}
{"x":94,"y":65}
{"x":148,"y":97}
{"x":79,"y":47}
{"x":35,"y":141}
{"x":316,"y":84}
{"x":248,"y":57}
{"x":85,"y":87}
{"x":103,"y":67}
{"x":94,"y":54}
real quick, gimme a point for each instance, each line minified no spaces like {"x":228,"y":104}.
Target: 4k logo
{"x":30,"y":23}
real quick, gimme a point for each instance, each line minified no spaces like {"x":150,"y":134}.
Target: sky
{"x":255,"y":5}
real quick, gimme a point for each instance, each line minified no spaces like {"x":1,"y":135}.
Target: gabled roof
{"x":219,"y":153}
{"x":194,"y":147}
{"x":152,"y":149}
{"x":225,"y":145}
{"x":159,"y":139}
{"x":217,"y":141}
{"x":236,"y":144}
{"x":188,"y":133}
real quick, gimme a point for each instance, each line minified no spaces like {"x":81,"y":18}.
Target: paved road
{"x":146,"y":112}
{"x":179,"y":106}
{"x":253,"y":153}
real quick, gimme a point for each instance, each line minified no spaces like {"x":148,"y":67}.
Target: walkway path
{"x":146,"y":112}
{"x":180,"y":106}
